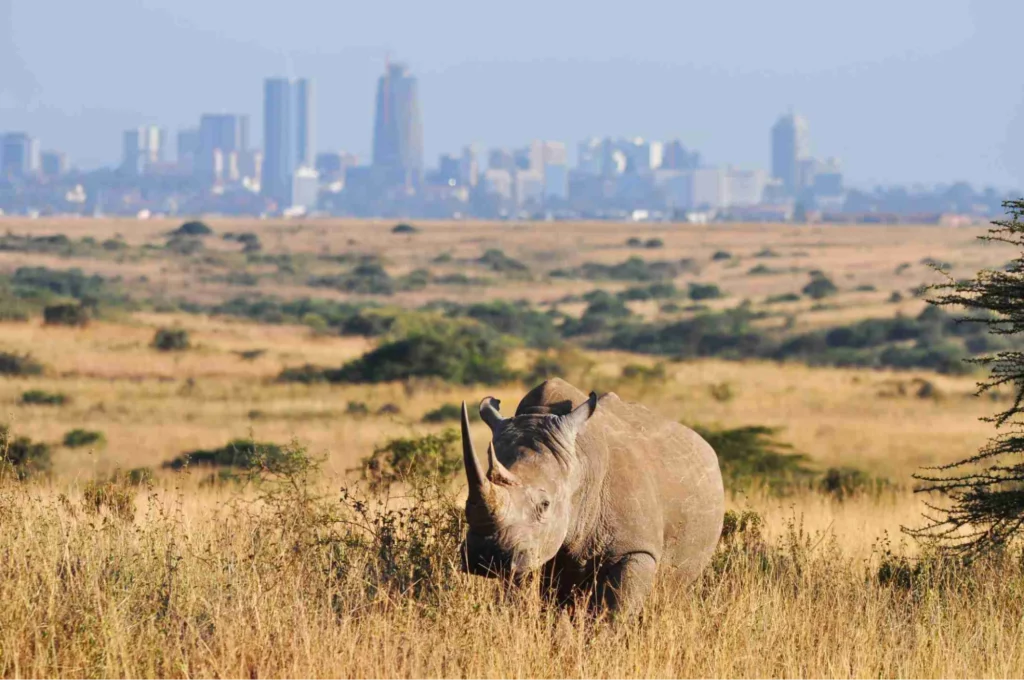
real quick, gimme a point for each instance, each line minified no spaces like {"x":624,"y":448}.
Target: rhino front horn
{"x":478,"y":483}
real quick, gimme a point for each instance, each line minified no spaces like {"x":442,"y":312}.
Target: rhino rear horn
{"x":498,"y":473}
{"x":478,"y":482}
{"x":489,"y":414}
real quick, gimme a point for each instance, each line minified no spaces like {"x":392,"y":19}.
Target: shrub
{"x":443,"y":413}
{"x":66,"y":314}
{"x":78,"y":437}
{"x":721,"y":255}
{"x":367,"y":278}
{"x":21,"y":456}
{"x":68,"y":283}
{"x":704,"y":291}
{"x":498,"y":261}
{"x":654,"y":291}
{"x":654,"y":243}
{"x":171,"y":340}
{"x":404,"y":228}
{"x":192,"y":228}
{"x":414,"y":461}
{"x":461,"y":353}
{"x":634,"y":242}
{"x":357,"y":408}
{"x":43,"y":398}
{"x":819,"y":287}
{"x":655,"y":373}
{"x":783,"y":297}
{"x":752,"y":455}
{"x":19,"y":364}
{"x":520,"y":319}
{"x":844,"y":482}
{"x":244,"y":454}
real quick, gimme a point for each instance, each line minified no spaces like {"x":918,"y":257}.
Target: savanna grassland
{"x":148,"y":545}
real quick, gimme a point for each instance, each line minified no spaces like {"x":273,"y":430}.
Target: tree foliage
{"x":985,"y":492}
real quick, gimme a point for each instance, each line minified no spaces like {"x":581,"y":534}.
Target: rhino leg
{"x":623,"y":586}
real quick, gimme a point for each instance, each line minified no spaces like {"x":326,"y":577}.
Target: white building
{"x":305,"y":188}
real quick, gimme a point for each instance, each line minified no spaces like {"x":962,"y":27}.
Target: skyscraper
{"x":790,"y":145}
{"x":287,"y":135}
{"x":305,"y":151}
{"x":223,"y":139}
{"x":397,"y":129}
{"x":19,"y":154}
{"x":143,"y":146}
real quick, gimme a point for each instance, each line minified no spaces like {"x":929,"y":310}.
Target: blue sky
{"x":903,"y":92}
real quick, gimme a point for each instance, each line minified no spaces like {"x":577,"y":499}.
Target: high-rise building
{"x":469,"y":171}
{"x":188,"y":149}
{"x":678,"y":157}
{"x":287,"y":136}
{"x":53,"y":163}
{"x":223,"y":140}
{"x":19,"y":154}
{"x":790,"y":145}
{"x":305,"y":147}
{"x":143,"y":147}
{"x":397,"y":129}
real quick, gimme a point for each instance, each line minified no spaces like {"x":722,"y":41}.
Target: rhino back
{"x":653,"y":455}
{"x":660,"y":484}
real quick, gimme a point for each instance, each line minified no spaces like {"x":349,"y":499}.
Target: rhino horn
{"x":478,"y":483}
{"x":498,"y":473}
{"x":489,"y":414}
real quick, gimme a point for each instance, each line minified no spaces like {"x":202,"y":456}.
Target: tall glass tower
{"x":397,"y":129}
{"x":790,"y":146}
{"x":287,"y":135}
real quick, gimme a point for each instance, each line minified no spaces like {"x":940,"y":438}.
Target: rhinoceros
{"x":596,"y":494}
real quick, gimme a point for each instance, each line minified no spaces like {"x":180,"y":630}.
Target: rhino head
{"x":519,"y":509}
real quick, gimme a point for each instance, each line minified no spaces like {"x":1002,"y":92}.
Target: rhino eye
{"x":544,"y":505}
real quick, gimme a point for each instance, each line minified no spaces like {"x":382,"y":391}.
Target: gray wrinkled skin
{"x":596,"y":494}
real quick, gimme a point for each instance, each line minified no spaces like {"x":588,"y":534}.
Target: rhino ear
{"x":575,"y":420}
{"x":489,"y":414}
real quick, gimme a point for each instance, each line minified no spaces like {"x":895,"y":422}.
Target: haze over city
{"x":902,"y":93}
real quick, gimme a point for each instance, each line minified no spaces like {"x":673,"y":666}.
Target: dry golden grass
{"x":209,"y":581}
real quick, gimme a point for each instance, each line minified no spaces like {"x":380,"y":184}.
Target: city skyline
{"x":881,"y":106}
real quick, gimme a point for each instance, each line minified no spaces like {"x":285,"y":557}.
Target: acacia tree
{"x":985,"y":492}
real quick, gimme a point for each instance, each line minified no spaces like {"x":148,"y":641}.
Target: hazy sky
{"x":907,"y":91}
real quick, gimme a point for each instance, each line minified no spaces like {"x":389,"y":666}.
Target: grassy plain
{"x":207,"y":580}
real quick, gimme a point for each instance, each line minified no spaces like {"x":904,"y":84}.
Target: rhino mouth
{"x":482,"y":556}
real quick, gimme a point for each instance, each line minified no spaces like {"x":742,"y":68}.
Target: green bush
{"x":443,"y":413}
{"x":78,"y":437}
{"x":415,"y":461}
{"x":21,"y":456}
{"x":753,"y":455}
{"x":357,"y":409}
{"x":192,"y":228}
{"x":498,"y":261}
{"x":721,"y":255}
{"x":66,"y":314}
{"x":67,"y":283}
{"x":654,"y":243}
{"x":244,"y":454}
{"x":819,"y":287}
{"x":704,"y":291}
{"x":19,"y":364}
{"x":404,"y":228}
{"x":463,"y":353}
{"x":171,"y":340}
{"x":43,"y":398}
